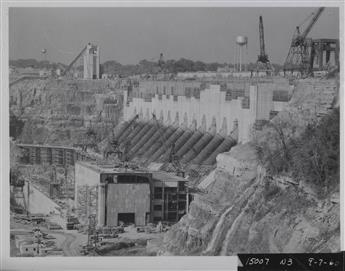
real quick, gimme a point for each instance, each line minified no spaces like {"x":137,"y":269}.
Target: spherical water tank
{"x":241,"y":40}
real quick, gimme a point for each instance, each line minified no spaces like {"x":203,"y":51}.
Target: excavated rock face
{"x":245,"y":210}
{"x":58,"y":111}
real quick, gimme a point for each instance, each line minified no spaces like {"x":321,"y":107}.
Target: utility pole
{"x":28,"y":205}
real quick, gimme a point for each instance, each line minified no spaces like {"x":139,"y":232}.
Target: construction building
{"x":91,"y":62}
{"x":89,"y":58}
{"x":129,"y":196}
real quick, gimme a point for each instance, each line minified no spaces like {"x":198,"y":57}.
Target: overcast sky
{"x":129,"y":35}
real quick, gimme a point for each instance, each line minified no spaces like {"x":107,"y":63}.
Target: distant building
{"x":130,"y":196}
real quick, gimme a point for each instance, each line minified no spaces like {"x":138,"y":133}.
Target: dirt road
{"x":70,"y":242}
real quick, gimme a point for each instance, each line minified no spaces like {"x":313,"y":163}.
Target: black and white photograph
{"x":150,"y":130}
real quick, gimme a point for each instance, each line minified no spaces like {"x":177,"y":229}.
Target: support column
{"x":320,"y":55}
{"x":101,"y":205}
{"x":98,"y":76}
{"x":187,"y":201}
{"x":163,"y":199}
{"x":328,"y":54}
{"x":336,"y":54}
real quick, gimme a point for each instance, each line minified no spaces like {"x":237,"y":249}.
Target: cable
{"x":54,"y":47}
{"x":312,"y":14}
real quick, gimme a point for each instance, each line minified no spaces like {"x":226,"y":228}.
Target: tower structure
{"x":91,"y":62}
{"x":301,"y":48}
{"x":241,"y":41}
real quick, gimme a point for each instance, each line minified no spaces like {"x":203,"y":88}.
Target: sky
{"x":129,"y":35}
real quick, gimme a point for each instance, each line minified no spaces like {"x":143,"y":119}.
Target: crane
{"x":74,"y":61}
{"x":174,"y":160}
{"x":299,"y":56}
{"x":161,"y":62}
{"x":114,"y":145}
{"x":263,"y":57}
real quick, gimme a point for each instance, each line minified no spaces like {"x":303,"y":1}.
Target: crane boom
{"x":262,"y":38}
{"x":300,"y":52}
{"x":263,"y":61}
{"x":299,"y":39}
{"x":312,"y":22}
{"x":75,"y":59}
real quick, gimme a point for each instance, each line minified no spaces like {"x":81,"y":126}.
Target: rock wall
{"x":59,"y":111}
{"x":245,"y":210}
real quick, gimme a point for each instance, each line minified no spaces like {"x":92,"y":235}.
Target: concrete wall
{"x":38,"y":202}
{"x":212,"y":112}
{"x":165,"y":87}
{"x":128,"y":198}
{"x":84,"y":176}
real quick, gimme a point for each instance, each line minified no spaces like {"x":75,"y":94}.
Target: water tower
{"x":44,"y":54}
{"x":241,"y":41}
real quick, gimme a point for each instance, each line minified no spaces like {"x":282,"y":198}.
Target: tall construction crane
{"x":299,"y":56}
{"x":161,"y":62}
{"x":262,"y":58}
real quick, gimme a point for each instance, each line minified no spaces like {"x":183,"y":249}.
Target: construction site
{"x":133,"y":166}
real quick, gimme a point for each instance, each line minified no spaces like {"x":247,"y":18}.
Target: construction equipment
{"x":263,"y":57}
{"x":90,"y":140}
{"x":174,"y":160}
{"x":114,"y":145}
{"x":161,"y":62}
{"x":74,"y":61}
{"x":114,"y":148}
{"x":299,"y":56}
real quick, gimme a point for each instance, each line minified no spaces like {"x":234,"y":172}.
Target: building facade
{"x":128,"y":196}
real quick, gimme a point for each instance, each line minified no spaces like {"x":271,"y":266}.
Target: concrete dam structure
{"x":229,"y":108}
{"x":196,"y":120}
